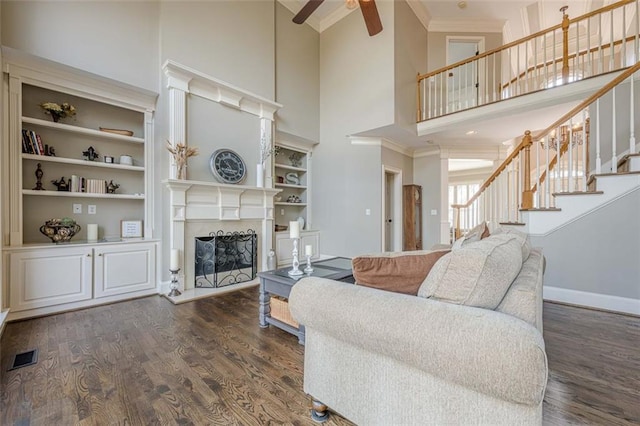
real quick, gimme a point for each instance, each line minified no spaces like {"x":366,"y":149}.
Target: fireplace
{"x":223,"y":259}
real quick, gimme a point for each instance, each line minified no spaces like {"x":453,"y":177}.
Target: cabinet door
{"x":284,"y":247}
{"x":124,"y":269}
{"x":43,"y":278}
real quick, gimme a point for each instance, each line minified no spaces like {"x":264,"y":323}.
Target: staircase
{"x":574,"y":187}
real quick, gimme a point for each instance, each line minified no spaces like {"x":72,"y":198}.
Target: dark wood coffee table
{"x":279,"y":283}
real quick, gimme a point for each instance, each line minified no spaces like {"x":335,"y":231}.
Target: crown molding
{"x":421,"y":12}
{"x":319,"y":24}
{"x":426,"y":152}
{"x":466,"y":25}
{"x":381,"y":142}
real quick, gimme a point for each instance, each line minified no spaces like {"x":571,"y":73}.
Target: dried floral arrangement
{"x":180,"y":153}
{"x":266,"y":150}
{"x":58,"y":111}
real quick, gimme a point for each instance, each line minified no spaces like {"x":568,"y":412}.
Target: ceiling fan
{"x":368,"y":8}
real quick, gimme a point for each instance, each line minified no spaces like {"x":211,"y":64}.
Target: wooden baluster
{"x":555,"y":62}
{"x":527,"y":194}
{"x":457,"y":219}
{"x":418,"y":100}
{"x":565,"y":45}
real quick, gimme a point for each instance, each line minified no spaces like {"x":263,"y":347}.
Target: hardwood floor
{"x":146,"y":362}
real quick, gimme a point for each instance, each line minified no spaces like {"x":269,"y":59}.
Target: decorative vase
{"x":59,"y":231}
{"x":182,"y":171}
{"x":260,"y":176}
{"x":55,"y":117}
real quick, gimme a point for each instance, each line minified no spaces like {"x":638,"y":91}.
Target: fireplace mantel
{"x":192,"y":200}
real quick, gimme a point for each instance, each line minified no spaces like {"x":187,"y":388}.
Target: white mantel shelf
{"x":193,"y":200}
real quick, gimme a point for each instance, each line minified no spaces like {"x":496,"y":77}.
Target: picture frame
{"x":130,"y":229}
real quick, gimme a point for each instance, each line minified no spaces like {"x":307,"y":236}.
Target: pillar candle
{"x":308,"y":250}
{"x":92,"y":232}
{"x":294,"y":229}
{"x":174,"y":264}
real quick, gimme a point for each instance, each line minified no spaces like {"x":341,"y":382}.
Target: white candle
{"x":308,"y":250}
{"x":294,"y":229}
{"x":92,"y":232}
{"x":174,"y":264}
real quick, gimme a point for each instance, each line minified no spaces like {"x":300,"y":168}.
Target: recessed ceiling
{"x":458,"y":164}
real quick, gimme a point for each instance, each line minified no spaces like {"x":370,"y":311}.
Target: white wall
{"x":598,"y":254}
{"x":118,"y":40}
{"x":297,"y":77}
{"x":356,"y":94}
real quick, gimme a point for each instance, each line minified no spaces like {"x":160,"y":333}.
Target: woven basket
{"x":280,"y":311}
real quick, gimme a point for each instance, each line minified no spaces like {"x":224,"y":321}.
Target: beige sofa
{"x":384,"y":358}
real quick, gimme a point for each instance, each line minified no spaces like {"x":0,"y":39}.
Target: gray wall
{"x":426,"y":173}
{"x":297,"y":77}
{"x":599,"y":253}
{"x":399,"y":161}
{"x":357,"y":94}
{"x":437,"y":46}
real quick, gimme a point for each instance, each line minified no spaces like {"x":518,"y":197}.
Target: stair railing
{"x":556,"y":161}
{"x":595,"y":43}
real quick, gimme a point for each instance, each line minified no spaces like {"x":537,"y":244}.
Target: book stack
{"x":96,"y":186}
{"x":76,"y":184}
{"x":32,"y":143}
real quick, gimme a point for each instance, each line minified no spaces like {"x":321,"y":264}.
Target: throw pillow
{"x":521,"y":236}
{"x":400,"y":272}
{"x":477,"y":275}
{"x":477,"y":233}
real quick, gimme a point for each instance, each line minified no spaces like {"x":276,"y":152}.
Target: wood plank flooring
{"x":148,"y":362}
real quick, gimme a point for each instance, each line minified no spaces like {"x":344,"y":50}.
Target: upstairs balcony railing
{"x":598,"y":42}
{"x":562,"y":159}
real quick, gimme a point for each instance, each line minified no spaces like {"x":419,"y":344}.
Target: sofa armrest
{"x":483,"y":350}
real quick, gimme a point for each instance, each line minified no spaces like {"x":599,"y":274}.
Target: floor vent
{"x":24,"y":359}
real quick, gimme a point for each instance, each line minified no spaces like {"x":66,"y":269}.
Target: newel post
{"x":418,"y":100}
{"x":565,"y":45}
{"x":527,"y":193}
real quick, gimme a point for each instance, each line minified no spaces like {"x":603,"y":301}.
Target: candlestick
{"x":308,"y":250}
{"x":174,"y":282}
{"x":308,"y":269}
{"x":174,"y":263}
{"x":295,"y":271}
{"x":294,"y":229}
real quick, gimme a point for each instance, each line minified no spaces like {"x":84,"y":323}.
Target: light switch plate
{"x":434,"y":212}
{"x":77,"y":208}
{"x":91,"y":209}
{"x":367,"y":212}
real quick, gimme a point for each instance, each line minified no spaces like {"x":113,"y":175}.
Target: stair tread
{"x":578,"y":193}
{"x":512,"y":223}
{"x":625,"y":158}
{"x":613,"y":174}
{"x":542,"y":209}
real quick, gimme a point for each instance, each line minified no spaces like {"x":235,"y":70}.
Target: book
{"x":34,"y":142}
{"x":26,"y":148}
{"x":40,"y":145}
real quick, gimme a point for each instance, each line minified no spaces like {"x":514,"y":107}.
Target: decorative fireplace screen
{"x":224,"y":259}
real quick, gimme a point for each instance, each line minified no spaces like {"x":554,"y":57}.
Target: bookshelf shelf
{"x":84,"y":163}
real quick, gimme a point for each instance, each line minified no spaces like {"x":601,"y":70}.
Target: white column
{"x":266,"y":135}
{"x":444,"y":198}
{"x":178,"y":85}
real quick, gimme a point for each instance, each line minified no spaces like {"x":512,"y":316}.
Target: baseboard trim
{"x":592,"y":300}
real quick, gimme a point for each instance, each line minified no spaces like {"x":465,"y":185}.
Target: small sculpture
{"x":39,"y":174}
{"x":90,"y":154}
{"x":293,"y":199}
{"x":111,"y":187}
{"x":61,"y":184}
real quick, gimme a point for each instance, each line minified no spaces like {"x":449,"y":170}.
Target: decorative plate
{"x":227,"y":166}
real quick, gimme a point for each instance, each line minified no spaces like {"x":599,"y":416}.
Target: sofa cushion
{"x":476,"y":275}
{"x":402,"y":272}
{"x":522,"y":237}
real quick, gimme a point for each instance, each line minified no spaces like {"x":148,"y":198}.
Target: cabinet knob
{"x":89,"y":255}
{"x":100,"y":254}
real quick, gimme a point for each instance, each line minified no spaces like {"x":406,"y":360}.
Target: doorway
{"x":392,"y":209}
{"x":464,"y":82}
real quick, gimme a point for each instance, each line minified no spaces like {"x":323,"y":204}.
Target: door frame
{"x":396,"y":205}
{"x":480,"y":66}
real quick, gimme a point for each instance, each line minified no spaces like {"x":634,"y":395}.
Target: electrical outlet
{"x":91,"y":209}
{"x":434,"y":212}
{"x":367,"y":212}
{"x":281,"y":212}
{"x":77,"y":208}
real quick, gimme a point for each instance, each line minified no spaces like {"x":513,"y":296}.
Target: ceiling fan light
{"x":351,"y":4}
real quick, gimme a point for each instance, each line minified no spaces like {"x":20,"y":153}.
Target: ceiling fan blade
{"x":371,"y":16}
{"x":306,"y":11}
